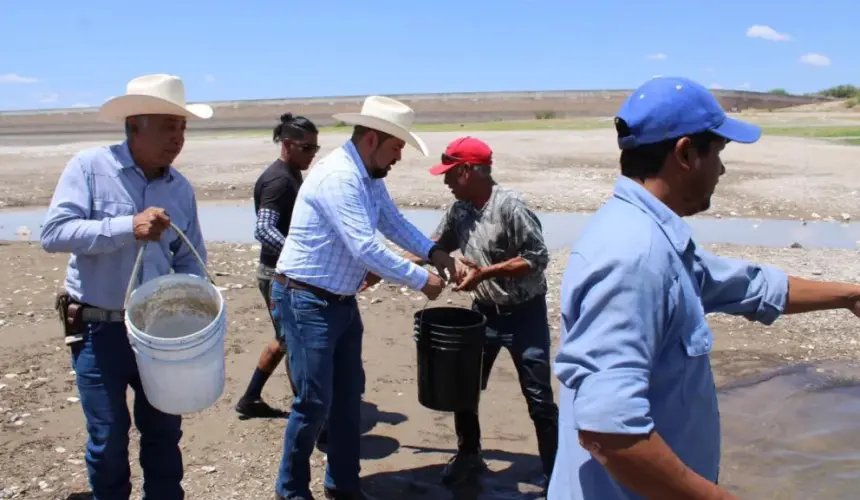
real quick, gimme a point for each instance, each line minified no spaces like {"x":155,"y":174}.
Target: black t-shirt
{"x":276,"y":190}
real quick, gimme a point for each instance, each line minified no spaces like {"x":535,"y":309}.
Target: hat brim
{"x":442,"y":168}
{"x":119,"y":108}
{"x":374,"y":123}
{"x":738,"y":131}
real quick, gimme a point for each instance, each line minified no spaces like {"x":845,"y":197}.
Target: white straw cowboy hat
{"x":386,"y":115}
{"x":153,"y":95}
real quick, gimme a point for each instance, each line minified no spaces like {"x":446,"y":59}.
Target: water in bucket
{"x":176,"y":326}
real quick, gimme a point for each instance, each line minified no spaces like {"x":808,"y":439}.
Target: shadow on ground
{"x":519,"y":479}
{"x":373,"y":447}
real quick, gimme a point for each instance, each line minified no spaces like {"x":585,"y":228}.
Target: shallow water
{"x":790,"y":434}
{"x":235,"y":223}
{"x":793,"y":434}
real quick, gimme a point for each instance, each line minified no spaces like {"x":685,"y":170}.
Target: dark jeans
{"x":105,"y":367}
{"x":264,"y":282}
{"x":524,"y":332}
{"x":325,"y":357}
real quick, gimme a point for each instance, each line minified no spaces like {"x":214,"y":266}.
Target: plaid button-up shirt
{"x":332,"y":240}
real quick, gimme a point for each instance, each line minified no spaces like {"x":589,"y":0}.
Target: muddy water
{"x":235,"y":223}
{"x":793,"y":433}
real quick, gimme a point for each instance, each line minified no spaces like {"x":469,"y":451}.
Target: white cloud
{"x":744,"y":86}
{"x":815,"y":59}
{"x":659,"y":56}
{"x":81,"y":105}
{"x":209,"y":78}
{"x":716,"y":86}
{"x":767,"y":33}
{"x":16,"y":78}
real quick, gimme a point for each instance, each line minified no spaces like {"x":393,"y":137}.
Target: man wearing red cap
{"x":502,"y":242}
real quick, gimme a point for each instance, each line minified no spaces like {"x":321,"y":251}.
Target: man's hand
{"x":474,"y":275}
{"x":434,"y":287}
{"x":369,"y":280}
{"x":445,"y":264}
{"x":149,"y":224}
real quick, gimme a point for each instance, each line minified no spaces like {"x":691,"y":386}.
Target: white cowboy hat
{"x":153,"y":95}
{"x":386,"y":115}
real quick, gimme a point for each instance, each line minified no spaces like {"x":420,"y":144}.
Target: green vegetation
{"x":843,"y":134}
{"x":834,"y":132}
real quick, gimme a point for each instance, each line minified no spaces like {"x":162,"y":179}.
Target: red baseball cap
{"x":465,"y":150}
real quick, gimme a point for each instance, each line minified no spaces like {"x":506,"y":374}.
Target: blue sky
{"x":63,"y":54}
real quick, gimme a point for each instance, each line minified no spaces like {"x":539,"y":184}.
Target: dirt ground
{"x":779,"y":177}
{"x":404,"y":445}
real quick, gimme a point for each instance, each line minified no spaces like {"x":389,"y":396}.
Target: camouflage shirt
{"x":503,"y":229}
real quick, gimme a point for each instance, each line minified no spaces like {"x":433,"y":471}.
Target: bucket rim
{"x":418,"y":317}
{"x":177,"y":343}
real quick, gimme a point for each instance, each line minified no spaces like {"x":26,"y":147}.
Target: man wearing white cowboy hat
{"x":108,"y":202}
{"x":329,"y":249}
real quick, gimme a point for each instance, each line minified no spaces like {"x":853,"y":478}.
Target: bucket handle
{"x":139,"y":261}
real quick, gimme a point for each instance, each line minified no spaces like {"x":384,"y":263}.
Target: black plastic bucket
{"x":450,"y":348}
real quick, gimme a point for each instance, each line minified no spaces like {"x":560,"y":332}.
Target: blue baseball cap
{"x":672,"y":107}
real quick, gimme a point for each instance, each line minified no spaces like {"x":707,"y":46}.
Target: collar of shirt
{"x":123,"y":155}
{"x":349,"y":147}
{"x":674,"y":227}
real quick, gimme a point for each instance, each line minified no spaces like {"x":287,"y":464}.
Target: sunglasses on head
{"x":451,"y":160}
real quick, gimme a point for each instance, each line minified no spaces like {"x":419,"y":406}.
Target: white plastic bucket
{"x":176,"y":326}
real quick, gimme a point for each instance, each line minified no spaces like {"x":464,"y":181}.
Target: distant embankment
{"x":429,"y":108}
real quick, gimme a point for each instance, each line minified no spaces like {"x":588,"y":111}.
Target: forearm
{"x":807,"y":295}
{"x":512,"y":268}
{"x":647,"y":466}
{"x":87,"y":237}
{"x":270,"y":237}
{"x":386,"y":264}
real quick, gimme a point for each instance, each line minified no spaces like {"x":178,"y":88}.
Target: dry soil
{"x":404,"y":445}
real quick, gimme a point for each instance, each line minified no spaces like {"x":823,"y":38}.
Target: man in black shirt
{"x":274,"y":196}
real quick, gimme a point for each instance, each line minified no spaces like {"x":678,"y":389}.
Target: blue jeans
{"x":105,"y":367}
{"x":325,"y":359}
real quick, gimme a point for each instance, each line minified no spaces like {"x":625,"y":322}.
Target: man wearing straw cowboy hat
{"x":328,"y":251}
{"x":108,"y":202}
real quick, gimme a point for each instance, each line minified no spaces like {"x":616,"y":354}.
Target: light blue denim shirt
{"x":634,"y":353}
{"x":90,"y":216}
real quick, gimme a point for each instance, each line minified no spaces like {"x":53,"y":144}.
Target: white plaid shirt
{"x":332,"y":240}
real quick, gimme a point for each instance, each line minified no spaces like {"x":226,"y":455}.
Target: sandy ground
{"x":404,"y":445}
{"x":779,"y":177}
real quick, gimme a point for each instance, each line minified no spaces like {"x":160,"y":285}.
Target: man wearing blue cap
{"x":638,"y":407}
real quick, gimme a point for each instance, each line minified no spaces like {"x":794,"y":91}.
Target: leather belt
{"x":319,"y":292}
{"x":91,"y":314}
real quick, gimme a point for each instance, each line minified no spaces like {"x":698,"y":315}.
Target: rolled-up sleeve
{"x":734,"y":286}
{"x":613,"y":316}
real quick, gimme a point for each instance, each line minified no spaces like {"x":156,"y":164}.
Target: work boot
{"x":463,"y":467}
{"x":257,"y":409}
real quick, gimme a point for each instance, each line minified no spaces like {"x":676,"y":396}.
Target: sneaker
{"x":463,"y":467}
{"x":257,"y":409}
